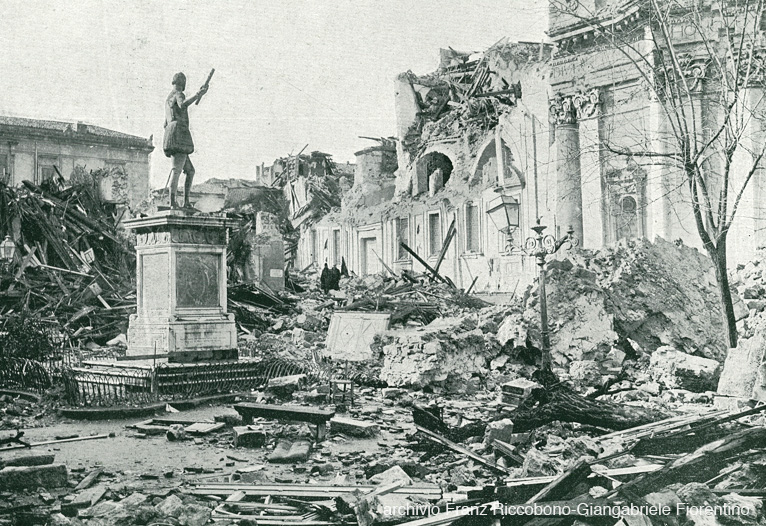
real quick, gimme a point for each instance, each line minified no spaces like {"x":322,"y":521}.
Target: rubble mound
{"x":636,"y":296}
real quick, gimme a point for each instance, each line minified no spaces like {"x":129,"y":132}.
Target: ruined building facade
{"x":537,"y":123}
{"x":33,"y":149}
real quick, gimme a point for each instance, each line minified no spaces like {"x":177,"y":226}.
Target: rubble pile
{"x":75,"y":266}
{"x":627,"y":301}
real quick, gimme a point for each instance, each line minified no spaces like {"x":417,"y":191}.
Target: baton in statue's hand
{"x":205,"y":86}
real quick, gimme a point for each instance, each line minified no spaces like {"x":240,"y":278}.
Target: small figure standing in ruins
{"x":177,"y":142}
{"x":334,"y":277}
{"x":324,"y":279}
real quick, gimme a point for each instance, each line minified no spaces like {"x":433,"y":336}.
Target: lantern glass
{"x":504,"y":213}
{"x":7,"y":249}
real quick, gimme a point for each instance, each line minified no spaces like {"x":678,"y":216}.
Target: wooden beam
{"x":559,"y":488}
{"x":428,"y":267}
{"x":460,"y":449}
{"x":445,"y":246}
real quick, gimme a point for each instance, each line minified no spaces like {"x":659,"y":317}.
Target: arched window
{"x":427,"y":165}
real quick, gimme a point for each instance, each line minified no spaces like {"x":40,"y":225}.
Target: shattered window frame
{"x":401,"y":254}
{"x":473,"y":243}
{"x":46,"y":167}
{"x":434,"y":247}
{"x":336,"y":246}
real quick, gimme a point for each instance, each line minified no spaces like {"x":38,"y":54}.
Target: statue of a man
{"x":177,"y":142}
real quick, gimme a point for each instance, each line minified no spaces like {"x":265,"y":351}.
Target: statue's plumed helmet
{"x":179,"y":78}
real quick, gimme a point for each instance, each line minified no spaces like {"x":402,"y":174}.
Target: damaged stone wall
{"x":456,"y":140}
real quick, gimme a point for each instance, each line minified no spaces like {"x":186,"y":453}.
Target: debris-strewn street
{"x":447,"y":409}
{"x":378,"y":264}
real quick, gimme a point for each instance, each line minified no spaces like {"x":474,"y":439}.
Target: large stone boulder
{"x":445,"y":354}
{"x":677,"y":370}
{"x":648,"y":294}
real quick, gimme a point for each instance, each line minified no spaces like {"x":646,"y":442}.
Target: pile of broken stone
{"x":635,"y":326}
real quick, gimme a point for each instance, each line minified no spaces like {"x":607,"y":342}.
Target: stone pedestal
{"x":181,"y":289}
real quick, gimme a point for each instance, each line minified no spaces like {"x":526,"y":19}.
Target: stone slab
{"x":27,"y":460}
{"x":354,"y":428}
{"x":351,"y":333}
{"x":32,"y":477}
{"x":249,"y":436}
{"x":146,"y":336}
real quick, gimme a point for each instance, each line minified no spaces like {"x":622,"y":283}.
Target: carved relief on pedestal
{"x":570,"y":108}
{"x":182,"y":235}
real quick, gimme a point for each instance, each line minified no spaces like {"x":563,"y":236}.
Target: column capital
{"x":568,"y":109}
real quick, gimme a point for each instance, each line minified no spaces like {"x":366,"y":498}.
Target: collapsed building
{"x":535,"y":131}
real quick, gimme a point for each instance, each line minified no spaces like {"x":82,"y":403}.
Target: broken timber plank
{"x":48,"y":442}
{"x":313,"y":491}
{"x":203,"y":428}
{"x":89,"y":480}
{"x":428,"y":267}
{"x":563,"y":484}
{"x":445,"y":245}
{"x":460,"y":449}
{"x":318,"y":417}
{"x":283,"y":412}
{"x":507,"y":449}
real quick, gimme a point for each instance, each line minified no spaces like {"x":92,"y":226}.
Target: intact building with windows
{"x":34,"y":150}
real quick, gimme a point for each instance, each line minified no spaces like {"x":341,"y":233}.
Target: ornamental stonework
{"x":182,"y":235}
{"x":571,"y":108}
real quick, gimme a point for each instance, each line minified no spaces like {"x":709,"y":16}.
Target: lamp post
{"x":541,"y":246}
{"x":7,"y":251}
{"x":504,"y":213}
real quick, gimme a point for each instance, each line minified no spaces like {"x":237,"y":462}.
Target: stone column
{"x":568,"y":176}
{"x":568,"y":179}
{"x":590,"y":158}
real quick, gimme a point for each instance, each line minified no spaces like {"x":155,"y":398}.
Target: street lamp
{"x":541,"y":246}
{"x":504,"y":213}
{"x":7,"y":251}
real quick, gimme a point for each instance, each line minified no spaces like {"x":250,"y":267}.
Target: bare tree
{"x":711,"y":115}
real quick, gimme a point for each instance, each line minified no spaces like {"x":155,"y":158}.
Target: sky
{"x":289,"y":73}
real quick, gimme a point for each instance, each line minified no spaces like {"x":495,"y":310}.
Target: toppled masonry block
{"x":652,"y":293}
{"x":249,"y":436}
{"x":354,"y":428}
{"x":446,"y":353}
{"x":517,"y":390}
{"x":194,"y":515}
{"x":675,"y":369}
{"x":170,"y":507}
{"x":27,"y":460}
{"x":33,"y":477}
{"x":288,"y":452}
{"x":498,"y":430}
{"x":351,"y":333}
{"x":394,"y":474}
{"x":285,"y":386}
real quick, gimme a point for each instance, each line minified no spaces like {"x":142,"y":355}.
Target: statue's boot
{"x":173,"y":200}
